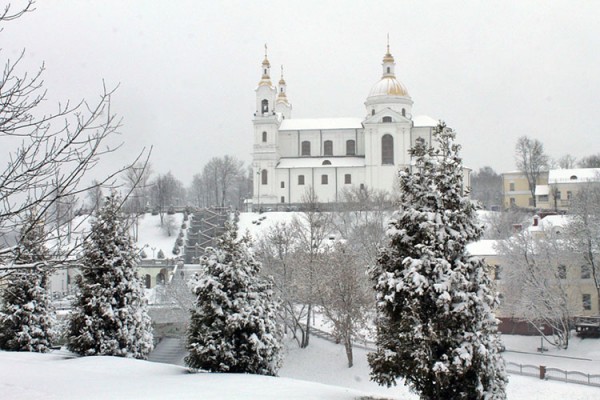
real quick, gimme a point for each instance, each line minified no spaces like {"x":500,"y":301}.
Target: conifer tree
{"x":233,"y":327}
{"x":26,"y":314}
{"x":435,"y":326}
{"x":109,"y":314}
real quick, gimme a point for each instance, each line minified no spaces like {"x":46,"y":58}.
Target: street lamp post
{"x":258,"y":176}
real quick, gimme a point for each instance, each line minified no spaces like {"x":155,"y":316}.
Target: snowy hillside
{"x":318,"y":372}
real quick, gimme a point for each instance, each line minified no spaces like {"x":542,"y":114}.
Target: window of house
{"x":264,"y":176}
{"x":264,"y":136}
{"x":557,"y":195}
{"x":326,"y":162}
{"x":586,"y":300}
{"x":306,"y":148}
{"x":573,"y":177}
{"x":569,"y":195}
{"x":324,"y":179}
{"x":387,"y":149}
{"x":586,"y":272}
{"x":265,"y":106}
{"x":373,"y":112}
{"x":350,"y":147}
{"x":513,"y":202}
{"x":300,"y":179}
{"x":543,"y":198}
{"x":512,"y":186}
{"x":328,"y":148}
{"x":497,"y":272}
{"x":562,"y":271}
{"x":347,"y":179}
{"x":386,"y":119}
{"x":282,"y":184}
{"x":283,"y":199}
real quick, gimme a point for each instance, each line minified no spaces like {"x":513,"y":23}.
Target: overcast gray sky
{"x":187,"y":70}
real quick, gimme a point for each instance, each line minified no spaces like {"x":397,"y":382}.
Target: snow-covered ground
{"x":153,"y":237}
{"x":317,"y":372}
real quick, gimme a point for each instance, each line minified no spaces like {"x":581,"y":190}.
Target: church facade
{"x":329,"y":155}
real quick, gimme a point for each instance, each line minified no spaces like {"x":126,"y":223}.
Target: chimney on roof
{"x":536,"y":220}
{"x":517,"y":228}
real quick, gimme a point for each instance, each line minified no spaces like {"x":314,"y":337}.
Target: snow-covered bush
{"x":26,"y":314}
{"x":234,"y":325}
{"x":435,"y":327}
{"x":109,"y":314}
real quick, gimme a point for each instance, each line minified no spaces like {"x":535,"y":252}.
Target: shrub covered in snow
{"x":109,"y":314}
{"x":234,"y":325}
{"x":435,"y":327}
{"x":26,"y":314}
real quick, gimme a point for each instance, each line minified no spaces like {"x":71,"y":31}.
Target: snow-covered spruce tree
{"x":109,"y":314}
{"x":26,"y":314}
{"x":435,"y":326}
{"x":234,"y":326}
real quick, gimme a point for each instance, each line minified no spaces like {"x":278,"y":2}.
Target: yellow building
{"x":515,"y":189}
{"x":563,"y":185}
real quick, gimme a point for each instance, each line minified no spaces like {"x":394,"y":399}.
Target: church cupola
{"x":282,"y":105}
{"x":266,"y":71}
{"x":389,"y":92}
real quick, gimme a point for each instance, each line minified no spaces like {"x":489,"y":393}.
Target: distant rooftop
{"x":575,"y":175}
{"x":424,"y":121}
{"x":302,"y":124}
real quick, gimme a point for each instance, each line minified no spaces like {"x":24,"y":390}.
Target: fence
{"x":553,"y":374}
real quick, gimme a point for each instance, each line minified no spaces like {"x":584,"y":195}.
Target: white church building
{"x":331,"y":154}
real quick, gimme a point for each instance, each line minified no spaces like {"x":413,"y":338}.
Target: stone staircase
{"x":170,"y":350}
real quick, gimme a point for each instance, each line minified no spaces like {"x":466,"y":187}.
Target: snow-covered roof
{"x":424,"y":121}
{"x":314,"y":162}
{"x":301,"y":124}
{"x":575,"y":175}
{"x":542,"y":190}
{"x":483,"y":248}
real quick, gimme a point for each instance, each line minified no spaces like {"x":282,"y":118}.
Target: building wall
{"x":515,"y":189}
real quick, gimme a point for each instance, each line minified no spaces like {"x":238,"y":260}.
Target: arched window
{"x":373,"y":112}
{"x":326,"y":162}
{"x":350,"y":148}
{"x":328,"y":148}
{"x":264,"y":176}
{"x":388,"y":70}
{"x":387,"y":149}
{"x":403,"y":112}
{"x":306,"y":148}
{"x":264,"y":136}
{"x":265,"y":106}
{"x":148,"y":281}
{"x":386,"y":119}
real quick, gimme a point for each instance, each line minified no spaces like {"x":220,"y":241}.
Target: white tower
{"x":266,"y":124}
{"x":282,"y":106}
{"x":387,"y":127}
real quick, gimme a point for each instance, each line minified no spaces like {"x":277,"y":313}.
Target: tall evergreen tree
{"x":435,"y":327}
{"x":109,"y":314}
{"x":233,"y":327}
{"x":26,"y":314}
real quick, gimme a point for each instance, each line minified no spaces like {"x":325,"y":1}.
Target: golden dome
{"x":388,"y":86}
{"x":388,"y":57}
{"x":266,"y":62}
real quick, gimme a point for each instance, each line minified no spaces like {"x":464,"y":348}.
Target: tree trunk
{"x":348,"y":346}
{"x":306,"y":338}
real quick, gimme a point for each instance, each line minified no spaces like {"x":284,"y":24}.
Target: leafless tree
{"x":566,"y":162}
{"x":531,"y":161}
{"x":53,"y":153}
{"x":312,"y":228}
{"x":583,"y":232}
{"x":486,"y":187}
{"x":503,"y":224}
{"x":592,"y":161}
{"x":536,"y":286}
{"x":345,"y":295}
{"x":166,"y":191}
{"x":361,"y":220}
